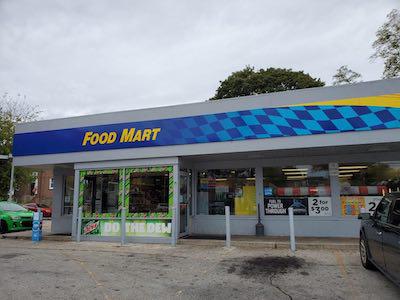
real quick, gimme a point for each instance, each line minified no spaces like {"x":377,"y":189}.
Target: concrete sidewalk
{"x":265,"y":242}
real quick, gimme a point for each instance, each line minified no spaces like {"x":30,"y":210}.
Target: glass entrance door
{"x":184,"y":200}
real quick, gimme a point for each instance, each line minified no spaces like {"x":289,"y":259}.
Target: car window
{"x":9,"y":206}
{"x":395,"y":218}
{"x":382,"y":211}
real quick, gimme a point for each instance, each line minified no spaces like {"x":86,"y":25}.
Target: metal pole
{"x":291,"y":226}
{"x":123,"y":225}
{"x":11,"y":191}
{"x":173,"y":226}
{"x":228,"y":226}
{"x":78,"y":234}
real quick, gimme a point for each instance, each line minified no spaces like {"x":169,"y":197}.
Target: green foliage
{"x":344,"y":75}
{"x":387,"y":45}
{"x":252,"y":82}
{"x":12,"y":112}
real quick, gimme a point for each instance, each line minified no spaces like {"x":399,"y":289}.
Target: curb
{"x":45,"y":238}
{"x":221,"y":243}
{"x":273,"y":245}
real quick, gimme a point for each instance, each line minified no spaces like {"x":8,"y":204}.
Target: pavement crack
{"x":92,"y":275}
{"x":278,"y":287}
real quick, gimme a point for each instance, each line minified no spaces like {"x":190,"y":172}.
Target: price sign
{"x":371,"y":202}
{"x":320,"y":206}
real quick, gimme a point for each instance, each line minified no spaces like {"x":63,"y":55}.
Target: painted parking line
{"x":353,"y":293}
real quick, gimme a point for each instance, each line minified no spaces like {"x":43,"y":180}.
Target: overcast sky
{"x":79,"y":57}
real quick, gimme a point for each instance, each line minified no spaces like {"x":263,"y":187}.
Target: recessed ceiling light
{"x":352,"y":167}
{"x":296,"y":177}
{"x":296,"y":173}
{"x":350,"y":171}
{"x":293,"y":170}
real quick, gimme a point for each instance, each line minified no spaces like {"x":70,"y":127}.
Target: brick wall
{"x":43,"y":194}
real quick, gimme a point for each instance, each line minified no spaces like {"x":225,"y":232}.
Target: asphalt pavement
{"x":94,"y":270}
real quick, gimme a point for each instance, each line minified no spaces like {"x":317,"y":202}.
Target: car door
{"x":391,"y":242}
{"x":375,"y":232}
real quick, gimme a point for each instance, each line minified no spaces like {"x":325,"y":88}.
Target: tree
{"x":387,"y":45}
{"x":344,"y":75}
{"x":12,"y":112}
{"x":252,"y":82}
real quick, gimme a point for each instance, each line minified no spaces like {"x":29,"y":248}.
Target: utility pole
{"x":11,"y":191}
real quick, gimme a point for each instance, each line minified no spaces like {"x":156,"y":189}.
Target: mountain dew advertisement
{"x":140,"y":228}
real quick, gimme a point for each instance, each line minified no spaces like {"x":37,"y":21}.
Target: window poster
{"x":142,"y":228}
{"x":279,"y":206}
{"x":303,"y":206}
{"x":371,"y":202}
{"x":320,"y":206}
{"x":352,"y":205}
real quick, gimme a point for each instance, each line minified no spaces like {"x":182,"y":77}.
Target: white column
{"x":76,"y":200}
{"x":175,"y":211}
{"x":335,"y":189}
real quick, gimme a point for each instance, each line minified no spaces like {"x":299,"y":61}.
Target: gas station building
{"x":327,"y":152}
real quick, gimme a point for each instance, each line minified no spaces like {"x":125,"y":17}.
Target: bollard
{"x":228,"y":226}
{"x":123,"y":225}
{"x":174,"y":227}
{"x":79,"y":227}
{"x":291,"y":226}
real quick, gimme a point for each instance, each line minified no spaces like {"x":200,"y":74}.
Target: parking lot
{"x":90,"y":270}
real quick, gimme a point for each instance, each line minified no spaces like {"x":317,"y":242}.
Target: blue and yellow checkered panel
{"x":280,"y":122}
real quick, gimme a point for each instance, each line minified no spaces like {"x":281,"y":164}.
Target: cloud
{"x":80,"y":57}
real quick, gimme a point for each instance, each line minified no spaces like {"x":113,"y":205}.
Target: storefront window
{"x":362,"y":185}
{"x":68,"y":195}
{"x":100,"y":192}
{"x":306,"y":188}
{"x":149,"y":192}
{"x":227,"y":187}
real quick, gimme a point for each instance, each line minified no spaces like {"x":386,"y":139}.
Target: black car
{"x":380,"y":238}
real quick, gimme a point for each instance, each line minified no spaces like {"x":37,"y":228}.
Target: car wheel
{"x":3,"y":227}
{"x":364,"y":254}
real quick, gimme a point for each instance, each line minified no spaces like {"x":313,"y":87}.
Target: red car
{"x":44,"y":208}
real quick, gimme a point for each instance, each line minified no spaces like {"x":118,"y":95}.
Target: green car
{"x":14,"y":217}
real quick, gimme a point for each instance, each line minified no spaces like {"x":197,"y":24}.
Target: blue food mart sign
{"x":306,"y":119}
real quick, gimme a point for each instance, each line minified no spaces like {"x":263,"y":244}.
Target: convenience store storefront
{"x":327,"y":152}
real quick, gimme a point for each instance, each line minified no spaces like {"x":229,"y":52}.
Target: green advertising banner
{"x":144,"y":224}
{"x":139,"y":228}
